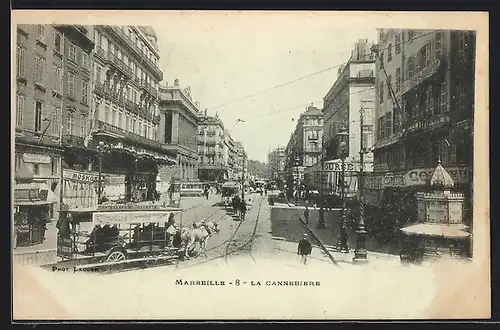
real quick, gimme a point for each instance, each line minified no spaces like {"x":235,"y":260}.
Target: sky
{"x":226,"y":57}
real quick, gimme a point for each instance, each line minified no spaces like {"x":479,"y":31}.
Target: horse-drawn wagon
{"x":229,"y":190}
{"x":130,"y":235}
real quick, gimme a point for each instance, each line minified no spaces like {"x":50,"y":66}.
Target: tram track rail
{"x":227,"y":249}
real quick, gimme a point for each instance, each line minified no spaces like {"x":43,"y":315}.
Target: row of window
{"x":39,"y":122}
{"x":40,"y":75}
{"x":107,"y":46}
{"x":414,"y":64}
{"x":131,"y":123}
{"x":75,"y":54}
{"x":314,"y":122}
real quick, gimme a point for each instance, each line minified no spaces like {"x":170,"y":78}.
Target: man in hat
{"x":304,"y":249}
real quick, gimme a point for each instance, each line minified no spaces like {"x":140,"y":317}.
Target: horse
{"x":191,"y":236}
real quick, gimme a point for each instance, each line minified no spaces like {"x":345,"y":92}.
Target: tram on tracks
{"x":123,"y":234}
{"x":228,"y":191}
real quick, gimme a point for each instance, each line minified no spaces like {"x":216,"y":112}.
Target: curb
{"x":323,"y":247}
{"x":33,"y":252}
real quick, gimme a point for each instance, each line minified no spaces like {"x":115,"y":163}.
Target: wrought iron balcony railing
{"x":127,"y":135}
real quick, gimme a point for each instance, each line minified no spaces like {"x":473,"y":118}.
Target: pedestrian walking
{"x":243,"y":209}
{"x":206,"y":192}
{"x":306,"y":214}
{"x":304,"y":249}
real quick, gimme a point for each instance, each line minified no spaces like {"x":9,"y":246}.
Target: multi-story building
{"x":230,"y":151}
{"x":178,"y":130}
{"x":211,"y":145}
{"x":276,"y":164}
{"x":426,"y":115}
{"x":241,"y":162}
{"x":54,"y":78}
{"x":304,"y":147}
{"x":124,"y":115}
{"x":354,"y":89}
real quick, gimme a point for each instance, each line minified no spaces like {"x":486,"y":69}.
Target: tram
{"x":122,"y":234}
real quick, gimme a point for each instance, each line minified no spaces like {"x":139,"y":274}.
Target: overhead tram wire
{"x":299,"y":106}
{"x":305,"y":77}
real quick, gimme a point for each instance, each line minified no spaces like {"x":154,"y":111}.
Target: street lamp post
{"x":321,"y":222}
{"x":360,"y":255}
{"x":297,"y":163}
{"x":100,"y":187}
{"x":342,"y":245}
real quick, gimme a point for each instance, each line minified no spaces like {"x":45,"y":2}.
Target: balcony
{"x":131,"y":44}
{"x":101,"y":90}
{"x":131,"y":106}
{"x":148,"y":88}
{"x":34,"y":136}
{"x":121,"y":133}
{"x":119,"y":64}
{"x":100,"y":52}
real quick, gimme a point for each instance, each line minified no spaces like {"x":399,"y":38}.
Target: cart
{"x":228,"y":191}
{"x":123,"y":235}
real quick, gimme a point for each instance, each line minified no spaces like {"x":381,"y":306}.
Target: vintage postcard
{"x":222,"y":165}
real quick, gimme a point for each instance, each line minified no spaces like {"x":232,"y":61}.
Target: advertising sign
{"x":36,"y":158}
{"x":414,"y":177}
{"x":130,"y":217}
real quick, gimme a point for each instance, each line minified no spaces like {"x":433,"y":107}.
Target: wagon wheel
{"x":116,"y":256}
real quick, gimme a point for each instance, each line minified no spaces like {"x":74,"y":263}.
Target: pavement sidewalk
{"x":328,"y":239}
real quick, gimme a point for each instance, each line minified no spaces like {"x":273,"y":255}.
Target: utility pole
{"x":321,"y":223}
{"x":360,"y":255}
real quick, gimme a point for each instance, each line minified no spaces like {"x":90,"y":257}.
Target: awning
{"x":434,"y":229}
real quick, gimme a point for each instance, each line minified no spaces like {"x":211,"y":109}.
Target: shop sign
{"x":80,"y":176}
{"x":414,"y":178}
{"x":348,"y":166}
{"x":36,"y":158}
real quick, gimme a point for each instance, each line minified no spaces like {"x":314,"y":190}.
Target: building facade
{"x":304,"y":147}
{"x":276,"y":164}
{"x":427,"y":115}
{"x":54,"y":83}
{"x":178,"y":131}
{"x":231,"y":152}
{"x":354,"y":89}
{"x":211,"y":149}
{"x":123,"y":115}
{"x":241,"y":162}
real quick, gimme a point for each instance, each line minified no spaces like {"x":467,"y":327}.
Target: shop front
{"x":31,"y":209}
{"x":44,"y":163}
